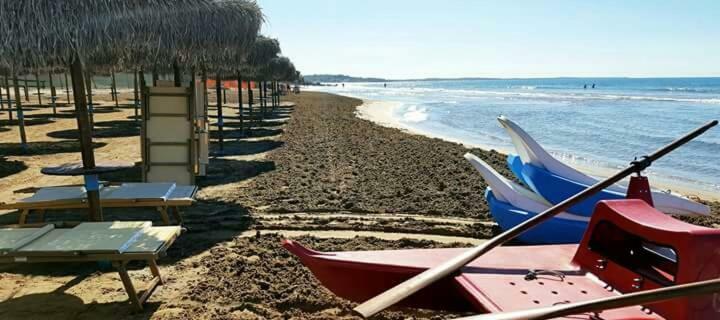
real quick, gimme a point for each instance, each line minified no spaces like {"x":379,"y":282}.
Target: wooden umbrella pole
{"x":86,"y":148}
{"x":272,"y":94}
{"x":597,"y":305}
{"x":9,"y":99}
{"x":177,"y":77}
{"x":113,"y":89}
{"x":279,"y":94}
{"x":52,"y":94}
{"x":25,"y":88}
{"x":89,"y":93}
{"x":206,"y":99}
{"x":240,"y":103}
{"x":422,"y":280}
{"x":265,"y":92}
{"x":261,"y":93}
{"x":250,"y":104}
{"x":155,"y":78}
{"x":218,"y":96}
{"x":20,"y":115}
{"x":67,"y":88}
{"x":143,"y":84}
{"x":136,"y":95}
{"x":2,"y":102}
{"x":37,"y":85}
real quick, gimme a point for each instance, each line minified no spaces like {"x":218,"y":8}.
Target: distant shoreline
{"x":335,"y":79}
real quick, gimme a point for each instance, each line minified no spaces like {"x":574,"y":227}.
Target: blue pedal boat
{"x":556,"y":181}
{"x":511,"y":204}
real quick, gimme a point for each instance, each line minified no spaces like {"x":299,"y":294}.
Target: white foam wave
{"x":415,"y":114}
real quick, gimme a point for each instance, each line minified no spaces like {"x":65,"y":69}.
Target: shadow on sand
{"x":95,"y":110}
{"x":224,"y":171}
{"x":28,"y":122}
{"x":244,"y":148}
{"x":103,"y":129}
{"x":239,"y":134}
{"x":59,"y":305}
{"x":43,"y":148}
{"x":8,"y":167}
{"x":59,"y":115}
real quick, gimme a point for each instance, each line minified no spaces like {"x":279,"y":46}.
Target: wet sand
{"x":314,"y":169}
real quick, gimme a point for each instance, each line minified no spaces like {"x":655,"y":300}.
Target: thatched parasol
{"x":256,"y":65}
{"x":280,"y":69}
{"x":42,"y":34}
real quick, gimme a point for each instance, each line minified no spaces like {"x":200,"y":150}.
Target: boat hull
{"x":515,"y":165}
{"x":553,"y":231}
{"x":357,"y":281}
{"x":531,"y":153}
{"x":557,"y":189}
{"x":496,"y":282}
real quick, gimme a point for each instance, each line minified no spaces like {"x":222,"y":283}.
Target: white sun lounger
{"x":166,"y":197}
{"x":117,"y":242}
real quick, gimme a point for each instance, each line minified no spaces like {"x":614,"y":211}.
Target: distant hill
{"x":324,"y":78}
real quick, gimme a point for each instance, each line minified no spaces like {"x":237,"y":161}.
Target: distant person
{"x":593,"y":86}
{"x":384,"y":85}
{"x":343,"y":85}
{"x":585,"y":86}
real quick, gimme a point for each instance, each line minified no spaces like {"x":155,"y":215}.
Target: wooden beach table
{"x":117,"y":242}
{"x":166,"y":197}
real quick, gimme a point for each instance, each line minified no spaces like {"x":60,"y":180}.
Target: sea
{"x":596,"y":124}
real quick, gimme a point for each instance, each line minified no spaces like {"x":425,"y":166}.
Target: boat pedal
{"x":533,"y":274}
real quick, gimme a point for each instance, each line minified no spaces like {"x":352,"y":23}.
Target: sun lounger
{"x":116,"y":242}
{"x":166,"y":197}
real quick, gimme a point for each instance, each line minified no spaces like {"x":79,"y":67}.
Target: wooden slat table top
{"x":98,"y":240}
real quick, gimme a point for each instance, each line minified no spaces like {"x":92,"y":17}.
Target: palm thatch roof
{"x":256,"y":64}
{"x":125,"y":34}
{"x":212,"y":36}
{"x":281,"y":69}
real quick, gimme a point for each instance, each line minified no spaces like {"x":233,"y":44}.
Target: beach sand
{"x":315,"y":172}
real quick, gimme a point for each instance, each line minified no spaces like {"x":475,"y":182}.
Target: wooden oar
{"x":597,"y":305}
{"x":422,"y":280}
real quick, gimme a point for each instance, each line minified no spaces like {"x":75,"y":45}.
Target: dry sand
{"x":316,"y":169}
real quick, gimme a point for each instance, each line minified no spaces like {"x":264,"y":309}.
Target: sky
{"x":404,"y":39}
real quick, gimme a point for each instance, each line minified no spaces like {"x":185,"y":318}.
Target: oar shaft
{"x":631,"y":299}
{"x":414,"y":284}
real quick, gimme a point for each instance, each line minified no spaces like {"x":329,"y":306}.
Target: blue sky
{"x":463,"y":38}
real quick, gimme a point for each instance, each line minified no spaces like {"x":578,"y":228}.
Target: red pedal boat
{"x":629,"y":247}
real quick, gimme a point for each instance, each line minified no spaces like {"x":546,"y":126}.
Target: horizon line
{"x":375,"y":78}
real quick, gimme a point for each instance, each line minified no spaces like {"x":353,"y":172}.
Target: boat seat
{"x":499,"y":281}
{"x":633,"y":247}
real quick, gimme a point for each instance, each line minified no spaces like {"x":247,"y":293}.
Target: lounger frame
{"x":119,"y":261}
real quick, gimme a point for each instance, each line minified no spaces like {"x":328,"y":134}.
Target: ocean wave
{"x":524,"y":92}
{"x":584,"y":96}
{"x":685,"y":89}
{"x":415,"y":114}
